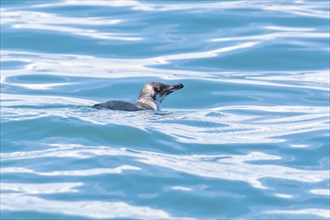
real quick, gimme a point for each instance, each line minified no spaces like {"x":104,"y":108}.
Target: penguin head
{"x":156,"y":92}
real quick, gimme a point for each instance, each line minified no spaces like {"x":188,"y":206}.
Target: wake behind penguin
{"x":151,"y":96}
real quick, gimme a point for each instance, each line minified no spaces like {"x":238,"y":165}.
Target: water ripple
{"x":87,"y":209}
{"x":52,"y":22}
{"x":215,"y":166}
{"x":300,"y":8}
{"x":45,"y":188}
{"x":140,"y":68}
{"x":228,"y":127}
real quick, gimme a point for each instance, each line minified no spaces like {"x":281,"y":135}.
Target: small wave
{"x":52,"y":22}
{"x":257,"y":125}
{"x":43,"y":188}
{"x":323,"y":213}
{"x":215,"y":166}
{"x":89,"y":172}
{"x":300,"y":8}
{"x":87,"y":209}
{"x":85,"y":66}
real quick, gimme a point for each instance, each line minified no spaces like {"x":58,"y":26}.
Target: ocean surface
{"x":246,"y":138}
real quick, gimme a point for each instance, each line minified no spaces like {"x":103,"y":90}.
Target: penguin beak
{"x":173,"y":87}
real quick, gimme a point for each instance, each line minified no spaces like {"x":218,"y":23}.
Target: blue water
{"x":246,"y":138}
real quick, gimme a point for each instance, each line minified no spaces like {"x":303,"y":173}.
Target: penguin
{"x":151,"y":96}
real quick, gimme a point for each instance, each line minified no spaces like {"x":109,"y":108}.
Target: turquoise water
{"x":246,"y":138}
